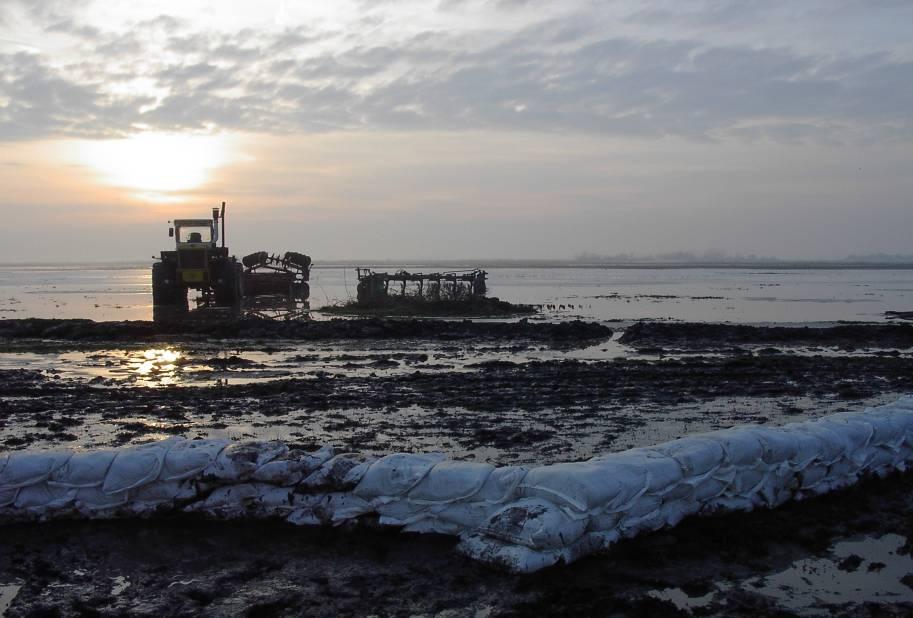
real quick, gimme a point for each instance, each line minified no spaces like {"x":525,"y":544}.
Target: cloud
{"x":560,"y":74}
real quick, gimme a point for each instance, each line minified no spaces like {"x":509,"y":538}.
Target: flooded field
{"x":123,"y":292}
{"x":544,"y":390}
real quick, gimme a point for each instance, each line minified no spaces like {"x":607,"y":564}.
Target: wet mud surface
{"x":520,"y":392}
{"x":737,"y":565}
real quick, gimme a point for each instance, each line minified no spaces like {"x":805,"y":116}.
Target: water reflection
{"x":160,"y":366}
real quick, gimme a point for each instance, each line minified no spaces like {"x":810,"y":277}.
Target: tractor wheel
{"x":301,"y":291}
{"x":229,"y":286}
{"x":166,"y":290}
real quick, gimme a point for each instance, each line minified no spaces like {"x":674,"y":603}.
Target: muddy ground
{"x":507,"y":393}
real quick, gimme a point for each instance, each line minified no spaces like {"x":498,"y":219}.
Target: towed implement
{"x":261,"y":283}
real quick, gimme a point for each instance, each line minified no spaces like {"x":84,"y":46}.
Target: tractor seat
{"x":195,"y":237}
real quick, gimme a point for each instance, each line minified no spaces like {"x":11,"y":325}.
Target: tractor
{"x":197,"y":263}
{"x":262,"y":284}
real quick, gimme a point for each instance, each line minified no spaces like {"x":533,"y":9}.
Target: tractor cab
{"x":195,"y":233}
{"x":197,"y":263}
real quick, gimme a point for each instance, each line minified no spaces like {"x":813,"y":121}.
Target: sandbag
{"x":777,"y":446}
{"x":695,"y":455}
{"x":83,"y":469}
{"x":239,"y":460}
{"x":394,"y":475}
{"x":501,"y":484}
{"x":284,"y":472}
{"x":8,"y":496}
{"x":662,"y":471}
{"x":741,"y":445}
{"x":534,"y":523}
{"x":188,"y":458}
{"x":137,"y":465}
{"x":28,"y":468}
{"x":585,"y":486}
{"x":344,"y":471}
{"x":450,"y":481}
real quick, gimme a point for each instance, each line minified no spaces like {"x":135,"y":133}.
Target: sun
{"x":157,"y":165}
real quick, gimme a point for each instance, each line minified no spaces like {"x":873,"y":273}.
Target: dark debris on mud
{"x":304,"y":330}
{"x":689,"y":335}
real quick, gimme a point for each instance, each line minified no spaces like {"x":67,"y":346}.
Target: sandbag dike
{"x":521,"y":518}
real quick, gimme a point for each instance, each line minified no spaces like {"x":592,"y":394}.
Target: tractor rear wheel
{"x":167,"y":291}
{"x":229,"y":287}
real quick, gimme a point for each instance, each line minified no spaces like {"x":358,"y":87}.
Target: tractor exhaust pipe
{"x":222,"y":216}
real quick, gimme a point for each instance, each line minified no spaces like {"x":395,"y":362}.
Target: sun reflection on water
{"x":159,"y":365}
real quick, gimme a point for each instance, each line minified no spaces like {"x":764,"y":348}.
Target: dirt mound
{"x":690,"y":335}
{"x":368,"y":328}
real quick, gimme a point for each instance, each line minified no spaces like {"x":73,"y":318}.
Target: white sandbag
{"x":729,"y":504}
{"x":450,"y":481}
{"x":40,"y":497}
{"x":304,"y":516}
{"x":283,"y":472}
{"x":342,"y":507}
{"x":695,"y":455}
{"x":888,"y":430}
{"x":91,"y":500}
{"x":535,"y":523}
{"x":228,"y":501}
{"x":83,"y":469}
{"x":904,"y":403}
{"x":748,"y":479}
{"x":831,"y":445}
{"x":809,"y":446}
{"x":662,"y":471}
{"x":777,"y":446}
{"x":644,"y":515}
{"x":188,"y":458}
{"x":501,"y":484}
{"x":28,"y":468}
{"x":8,"y":496}
{"x":674,"y":511}
{"x":401,"y":512}
{"x":339,"y":472}
{"x":333,"y":508}
{"x":136,"y":465}
{"x":522,"y":559}
{"x":433,"y":525}
{"x":317,"y":458}
{"x":811,"y":475}
{"x":394,"y":475}
{"x":516,"y":558}
{"x":741,"y":445}
{"x":585,"y":486}
{"x":707,"y":488}
{"x":602,"y":521}
{"x":465,"y":515}
{"x":164,"y":492}
{"x":880,"y":460}
{"x":239,"y":460}
{"x":858,"y":428}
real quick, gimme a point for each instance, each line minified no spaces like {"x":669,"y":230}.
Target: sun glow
{"x":157,"y":165}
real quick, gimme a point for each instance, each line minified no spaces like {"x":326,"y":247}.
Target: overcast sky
{"x":458,"y":128}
